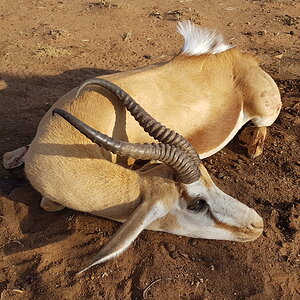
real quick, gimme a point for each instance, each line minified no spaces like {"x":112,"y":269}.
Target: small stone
{"x":174,"y":254}
{"x":279,"y":56}
{"x":185,"y":255}
{"x":193,"y":242}
{"x":262,"y":32}
{"x":288,"y":20}
{"x":207,"y":259}
{"x":231,"y":8}
{"x":220,"y":175}
{"x":155,"y":14}
{"x":18,"y":291}
{"x":247,"y":33}
{"x":236,"y":166}
{"x":170,"y":247}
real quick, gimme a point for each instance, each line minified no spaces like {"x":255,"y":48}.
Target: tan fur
{"x":205,"y":107}
{"x":206,"y":94}
{"x":206,"y":98}
{"x":165,"y":224}
{"x":260,"y":92}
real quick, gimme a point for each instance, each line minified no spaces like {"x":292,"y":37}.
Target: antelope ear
{"x":144,"y":214}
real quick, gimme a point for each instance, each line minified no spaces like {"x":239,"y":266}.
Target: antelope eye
{"x":197,"y":205}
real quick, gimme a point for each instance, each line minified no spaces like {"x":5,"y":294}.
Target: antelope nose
{"x":255,"y":221}
{"x":257,"y":224}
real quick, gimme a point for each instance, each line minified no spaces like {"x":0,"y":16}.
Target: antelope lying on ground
{"x":207,"y":93}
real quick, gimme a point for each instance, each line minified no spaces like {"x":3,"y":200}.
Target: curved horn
{"x":150,"y":125}
{"x":187,"y":170}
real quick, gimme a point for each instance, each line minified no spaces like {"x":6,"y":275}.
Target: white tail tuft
{"x":199,"y":40}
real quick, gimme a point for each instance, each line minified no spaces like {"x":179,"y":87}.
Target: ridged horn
{"x":150,"y":125}
{"x":188,"y":171}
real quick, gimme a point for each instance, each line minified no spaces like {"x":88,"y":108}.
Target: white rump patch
{"x":199,"y":40}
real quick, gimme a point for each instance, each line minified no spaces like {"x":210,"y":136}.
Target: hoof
{"x":256,"y":146}
{"x":14,"y":158}
{"x":50,"y":206}
{"x":254,"y":138}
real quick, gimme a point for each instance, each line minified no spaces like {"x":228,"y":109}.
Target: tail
{"x":199,"y":40}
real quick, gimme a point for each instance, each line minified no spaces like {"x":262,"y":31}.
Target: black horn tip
{"x":57,"y":111}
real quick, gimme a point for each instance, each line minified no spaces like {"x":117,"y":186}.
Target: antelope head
{"x":179,"y":196}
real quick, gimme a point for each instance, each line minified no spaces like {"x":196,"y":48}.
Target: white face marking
{"x":222,"y":216}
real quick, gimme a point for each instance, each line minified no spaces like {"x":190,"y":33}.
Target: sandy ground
{"x":50,"y":46}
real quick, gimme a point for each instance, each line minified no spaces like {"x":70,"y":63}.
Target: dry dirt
{"x":50,"y":46}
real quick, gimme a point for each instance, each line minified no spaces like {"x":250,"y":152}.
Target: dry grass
{"x":49,"y":51}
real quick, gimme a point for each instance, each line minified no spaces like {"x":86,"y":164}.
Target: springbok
{"x":207,"y":93}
